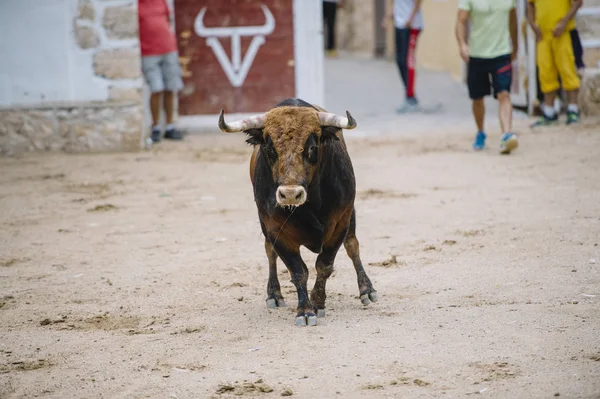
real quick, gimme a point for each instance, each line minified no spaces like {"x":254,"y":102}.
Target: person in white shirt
{"x":408,"y":23}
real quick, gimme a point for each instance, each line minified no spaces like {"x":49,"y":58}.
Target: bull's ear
{"x":255,"y":136}
{"x":328,"y":133}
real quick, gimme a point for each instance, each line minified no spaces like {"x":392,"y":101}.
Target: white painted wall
{"x":308,"y":51}
{"x":41,"y":61}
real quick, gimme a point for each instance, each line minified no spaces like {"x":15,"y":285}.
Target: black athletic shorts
{"x":487,"y":74}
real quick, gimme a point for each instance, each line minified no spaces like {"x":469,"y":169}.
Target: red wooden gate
{"x":235,"y":54}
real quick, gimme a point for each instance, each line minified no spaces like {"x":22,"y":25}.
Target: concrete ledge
{"x":64,"y":105}
{"x":72,"y":127}
{"x":207,"y":123}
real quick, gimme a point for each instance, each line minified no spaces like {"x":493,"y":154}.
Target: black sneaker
{"x":155,"y":136}
{"x":173,"y":134}
{"x":572,"y":117}
{"x":545,"y":120}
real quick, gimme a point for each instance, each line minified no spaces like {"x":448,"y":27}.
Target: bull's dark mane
{"x":332,"y":187}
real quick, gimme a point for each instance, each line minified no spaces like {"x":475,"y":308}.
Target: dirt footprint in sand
{"x":391,"y":262}
{"x":244,"y":389}
{"x":470,"y":233}
{"x":104,"y":322}
{"x":377,"y":194}
{"x":24,"y":365}
{"x":103,"y":208}
{"x":404,"y":380}
{"x":7,"y":300}
{"x":8,"y":262}
{"x":496,"y":371}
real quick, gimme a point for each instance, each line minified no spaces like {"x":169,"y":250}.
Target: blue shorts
{"x":487,"y":74}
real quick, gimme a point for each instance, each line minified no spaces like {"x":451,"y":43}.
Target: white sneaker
{"x":408,"y":107}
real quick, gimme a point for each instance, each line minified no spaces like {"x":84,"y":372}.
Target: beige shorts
{"x":162,"y":72}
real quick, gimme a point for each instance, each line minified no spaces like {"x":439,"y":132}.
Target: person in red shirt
{"x":160,"y":63}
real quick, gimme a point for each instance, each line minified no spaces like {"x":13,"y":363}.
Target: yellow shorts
{"x":555,"y":57}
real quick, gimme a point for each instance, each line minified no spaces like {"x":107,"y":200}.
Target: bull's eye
{"x":270,"y":154}
{"x":312,"y":154}
{"x":311,"y":149}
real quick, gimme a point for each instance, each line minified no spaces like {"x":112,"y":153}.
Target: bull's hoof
{"x":273,"y":303}
{"x":320,"y":313}
{"x":306,"y":319}
{"x":373,"y":296}
{"x":366,"y":299}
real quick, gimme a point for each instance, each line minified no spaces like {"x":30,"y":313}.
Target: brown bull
{"x":304,"y":188}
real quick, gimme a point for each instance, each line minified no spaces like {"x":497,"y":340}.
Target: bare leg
{"x":155,"y":107}
{"x":274,"y":297}
{"x":169,"y":105}
{"x":505,"y":111}
{"x":479,"y":113}
{"x":365,"y":287}
{"x":549,"y":99}
{"x":171,"y":132}
{"x":572,"y":96}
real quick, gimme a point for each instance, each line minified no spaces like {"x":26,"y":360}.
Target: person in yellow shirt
{"x":552,"y":21}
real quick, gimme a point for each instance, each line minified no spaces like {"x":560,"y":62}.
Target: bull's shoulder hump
{"x":295,"y":102}
{"x":319,"y":108}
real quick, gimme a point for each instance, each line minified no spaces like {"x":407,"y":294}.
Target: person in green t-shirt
{"x":491,"y":47}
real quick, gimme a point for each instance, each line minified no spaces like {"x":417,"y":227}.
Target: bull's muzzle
{"x":290,"y":195}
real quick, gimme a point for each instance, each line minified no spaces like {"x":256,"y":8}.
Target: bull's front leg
{"x":299,"y":274}
{"x":324,"y":266}
{"x":274,"y":297}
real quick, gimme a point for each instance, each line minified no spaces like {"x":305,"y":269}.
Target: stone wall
{"x":589,"y":94}
{"x":355,"y":27}
{"x":72,"y":128}
{"x":108,"y":30}
{"x":588,"y":25}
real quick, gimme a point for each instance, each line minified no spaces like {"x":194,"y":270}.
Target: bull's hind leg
{"x":365,"y":287}
{"x":274,"y":297}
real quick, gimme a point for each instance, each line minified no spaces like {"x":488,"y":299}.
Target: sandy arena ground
{"x":144,"y":275}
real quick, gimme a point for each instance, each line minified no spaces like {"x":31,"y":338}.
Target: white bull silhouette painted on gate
{"x":236,"y":69}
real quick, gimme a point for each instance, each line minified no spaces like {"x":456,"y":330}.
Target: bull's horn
{"x":254,"y":122}
{"x":329,"y":119}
